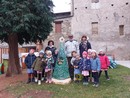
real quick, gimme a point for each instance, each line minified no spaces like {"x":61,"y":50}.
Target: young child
{"x":95,"y":67}
{"x":74,"y":54}
{"x":104,"y":64}
{"x":38,"y":66}
{"x":90,"y":53}
{"x":77,"y":73}
{"x":90,"y":79}
{"x":29,"y":61}
{"x":49,"y":67}
{"x":71,"y":68}
{"x":85,"y":67}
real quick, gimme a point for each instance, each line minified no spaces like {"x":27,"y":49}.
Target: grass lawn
{"x":117,"y":87}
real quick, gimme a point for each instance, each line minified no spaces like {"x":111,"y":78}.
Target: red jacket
{"x":104,"y":62}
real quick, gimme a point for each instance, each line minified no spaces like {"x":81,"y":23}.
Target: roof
{"x":62,"y":15}
{"x":5,"y":45}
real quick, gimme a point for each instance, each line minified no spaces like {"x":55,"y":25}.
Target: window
{"x":58,"y":27}
{"x":121,"y":30}
{"x":95,"y":1}
{"x":94,"y":27}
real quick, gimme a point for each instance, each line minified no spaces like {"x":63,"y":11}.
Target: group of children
{"x":86,"y":68}
{"x":39,"y":67}
{"x":89,"y":66}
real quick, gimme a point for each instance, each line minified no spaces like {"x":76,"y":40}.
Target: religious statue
{"x":61,"y":72}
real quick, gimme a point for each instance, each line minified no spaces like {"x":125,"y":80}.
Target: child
{"x":90,"y":79}
{"x":29,"y":61}
{"x":77,"y":72}
{"x":85,"y":67}
{"x":71,"y":68}
{"x":38,"y":66}
{"x":95,"y":67}
{"x":104,"y":63}
{"x":49,"y":67}
{"x":74,"y":54}
{"x":90,"y":53}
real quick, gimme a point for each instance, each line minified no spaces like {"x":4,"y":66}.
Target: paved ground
{"x":124,"y":63}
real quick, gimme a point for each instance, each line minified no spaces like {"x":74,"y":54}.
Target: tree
{"x":23,"y":21}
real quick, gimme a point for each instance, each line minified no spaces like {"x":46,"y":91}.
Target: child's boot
{"x":36,"y":80}
{"x":39,"y":82}
{"x":92,"y":79}
{"x":33,"y":79}
{"x":50,"y":81}
{"x":29,"y":80}
{"x":97,"y":85}
{"x":85,"y":83}
{"x":42,"y":78}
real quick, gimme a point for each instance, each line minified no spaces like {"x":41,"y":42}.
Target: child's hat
{"x":94,"y":51}
{"x":85,"y":53}
{"x":89,"y":50}
{"x":101,"y":50}
{"x":41,"y":53}
{"x":49,"y":52}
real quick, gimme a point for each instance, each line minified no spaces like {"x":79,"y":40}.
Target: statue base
{"x":61,"y":82}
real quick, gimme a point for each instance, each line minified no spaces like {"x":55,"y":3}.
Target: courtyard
{"x":117,"y":87}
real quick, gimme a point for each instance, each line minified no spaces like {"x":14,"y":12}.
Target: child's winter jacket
{"x":95,"y":64}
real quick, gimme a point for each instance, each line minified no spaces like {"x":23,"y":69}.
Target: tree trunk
{"x":13,"y":64}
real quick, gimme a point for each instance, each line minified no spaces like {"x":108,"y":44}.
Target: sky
{"x":62,"y":5}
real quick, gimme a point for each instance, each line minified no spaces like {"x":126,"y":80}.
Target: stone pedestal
{"x":61,"y":82}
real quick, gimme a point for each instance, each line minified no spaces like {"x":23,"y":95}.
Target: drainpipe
{"x":72,"y":8}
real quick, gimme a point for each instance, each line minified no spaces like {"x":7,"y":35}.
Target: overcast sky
{"x":61,"y":5}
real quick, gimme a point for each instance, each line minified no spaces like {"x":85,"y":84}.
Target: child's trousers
{"x":38,"y":75}
{"x":106,"y":74}
{"x":96,"y":77}
{"x":85,"y":79}
{"x":49,"y":75}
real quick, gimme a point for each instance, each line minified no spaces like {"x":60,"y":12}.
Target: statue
{"x":61,"y":72}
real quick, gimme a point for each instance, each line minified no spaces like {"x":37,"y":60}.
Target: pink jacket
{"x":104,"y":62}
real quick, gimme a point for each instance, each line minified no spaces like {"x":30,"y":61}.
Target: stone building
{"x":106,"y":22}
{"x":61,"y":27}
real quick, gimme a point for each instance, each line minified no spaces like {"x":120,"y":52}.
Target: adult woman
{"x":84,"y":45}
{"x":52,"y":49}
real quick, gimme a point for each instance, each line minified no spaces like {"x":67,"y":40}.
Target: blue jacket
{"x":29,"y":60}
{"x":77,"y":63}
{"x":85,"y":64}
{"x":95,"y":64}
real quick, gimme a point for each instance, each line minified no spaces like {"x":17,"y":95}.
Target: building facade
{"x":106,"y":22}
{"x":61,"y":27}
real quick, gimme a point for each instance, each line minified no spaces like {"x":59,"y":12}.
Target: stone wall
{"x":66,"y":29}
{"x":109,"y":15}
